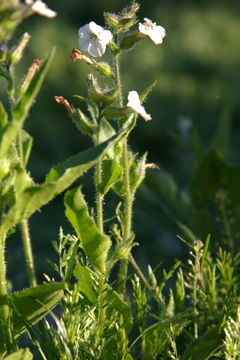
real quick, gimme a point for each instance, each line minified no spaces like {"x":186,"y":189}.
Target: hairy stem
{"x":101,"y":309}
{"x":99,"y":196}
{"x":28,"y":253}
{"x":4,"y":308}
{"x":26,"y":238}
{"x":128,"y":198}
{"x":127,"y":219}
{"x":116,"y":63}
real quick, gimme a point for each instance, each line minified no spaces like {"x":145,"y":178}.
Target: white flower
{"x":39,"y":7}
{"x":94,"y":39}
{"x":135,"y":104}
{"x":155,"y":32}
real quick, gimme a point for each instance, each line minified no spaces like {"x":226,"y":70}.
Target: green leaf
{"x":106,"y":131}
{"x":147,"y":91}
{"x":23,"y":354}
{"x":9,"y":133}
{"x":83,"y":274}
{"x":203,"y":347}
{"x":58,"y":179}
{"x":94,"y":243}
{"x":111,"y":172}
{"x":27,"y":141}
{"x":31,"y":305}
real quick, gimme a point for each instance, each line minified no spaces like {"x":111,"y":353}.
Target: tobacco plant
{"x":104,"y":310}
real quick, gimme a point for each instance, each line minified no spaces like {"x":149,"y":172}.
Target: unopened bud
{"x":33,"y":69}
{"x":18,"y":51}
{"x":98,"y":95}
{"x":124,"y":21}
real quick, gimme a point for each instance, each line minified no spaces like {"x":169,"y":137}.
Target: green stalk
{"x":4,"y":308}
{"x":128,"y":198}
{"x":99,"y":197}
{"x":28,"y":253}
{"x":102,"y":278}
{"x":26,"y":238}
{"x":127,"y":219}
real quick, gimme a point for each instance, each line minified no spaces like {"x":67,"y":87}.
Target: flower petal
{"x":96,"y":48}
{"x":155,"y":32}
{"x":158,"y":34}
{"x":41,"y":8}
{"x":105,"y":36}
{"x":94,"y":28}
{"x":135,"y":104}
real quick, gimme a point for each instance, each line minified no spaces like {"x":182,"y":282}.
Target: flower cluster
{"x":94,"y":39}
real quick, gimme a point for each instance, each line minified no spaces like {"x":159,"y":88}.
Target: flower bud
{"x":83,"y":123}
{"x":17,"y":53}
{"x":98,"y":95}
{"x":123,"y":22}
{"x":33,"y":69}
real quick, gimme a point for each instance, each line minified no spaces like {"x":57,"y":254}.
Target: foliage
{"x":191,"y":310}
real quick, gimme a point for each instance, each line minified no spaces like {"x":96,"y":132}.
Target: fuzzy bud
{"x":18,"y":51}
{"x":98,"y":95}
{"x":124,"y":21}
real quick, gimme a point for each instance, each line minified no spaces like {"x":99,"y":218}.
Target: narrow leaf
{"x":27,"y":141}
{"x":94,"y":243}
{"x":20,"y":111}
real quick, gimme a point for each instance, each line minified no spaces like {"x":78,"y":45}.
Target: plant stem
{"x":101,"y":309}
{"x":127,"y":219}
{"x":128,"y":198}
{"x":102,"y":278}
{"x":116,"y":63}
{"x":99,"y":196}
{"x":26,"y":238}
{"x":4,"y":308}
{"x":28,"y":253}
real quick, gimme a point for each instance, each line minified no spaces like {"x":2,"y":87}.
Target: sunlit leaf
{"x":94,"y":243}
{"x":9,"y":133}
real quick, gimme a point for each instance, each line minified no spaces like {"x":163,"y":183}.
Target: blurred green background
{"x":197,"y":73}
